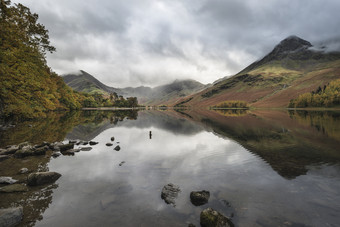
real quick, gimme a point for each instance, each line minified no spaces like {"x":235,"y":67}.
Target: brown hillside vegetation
{"x":276,"y":79}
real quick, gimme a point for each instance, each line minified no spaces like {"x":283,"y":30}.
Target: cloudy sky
{"x":153,"y":42}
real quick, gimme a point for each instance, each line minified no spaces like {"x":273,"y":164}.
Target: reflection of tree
{"x":57,"y":124}
{"x":327,"y":122}
{"x":287,"y":146}
{"x":232,"y":112}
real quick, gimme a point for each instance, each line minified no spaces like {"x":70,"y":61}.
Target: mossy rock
{"x":212,"y":218}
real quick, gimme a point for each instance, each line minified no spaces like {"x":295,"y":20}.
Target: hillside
{"x":28,"y":88}
{"x":292,"y":68}
{"x":84,"y":82}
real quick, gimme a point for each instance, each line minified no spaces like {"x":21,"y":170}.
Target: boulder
{"x":66,"y":147}
{"x":199,"y":198}
{"x":212,"y":218}
{"x":14,"y":188}
{"x":109,"y":144}
{"x":112,"y":138}
{"x":11,"y":216}
{"x":72,"y":141}
{"x":93,"y":143}
{"x":170,"y":193}
{"x":7,"y":180}
{"x":117,"y":148}
{"x":40,"y":178}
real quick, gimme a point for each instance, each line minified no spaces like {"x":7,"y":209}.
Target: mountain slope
{"x":84,"y":82}
{"x":292,"y":68}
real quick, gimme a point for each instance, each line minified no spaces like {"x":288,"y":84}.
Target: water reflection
{"x":264,"y":168}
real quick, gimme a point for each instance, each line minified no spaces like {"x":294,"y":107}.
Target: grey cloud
{"x":150,"y":42}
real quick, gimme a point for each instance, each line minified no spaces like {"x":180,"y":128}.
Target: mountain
{"x":84,"y":82}
{"x":292,"y":68}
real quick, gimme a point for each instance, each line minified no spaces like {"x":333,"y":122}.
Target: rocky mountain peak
{"x":290,"y":44}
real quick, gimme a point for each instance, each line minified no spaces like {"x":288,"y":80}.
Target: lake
{"x":261,"y":167}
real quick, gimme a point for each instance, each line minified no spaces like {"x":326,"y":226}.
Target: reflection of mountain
{"x":287,"y":146}
{"x":164,"y":120}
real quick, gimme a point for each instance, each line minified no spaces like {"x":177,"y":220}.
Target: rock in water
{"x":117,"y":148}
{"x":40,"y":178}
{"x":170,"y":193}
{"x":112,"y":138}
{"x":66,"y":147}
{"x":86,"y":148}
{"x":109,"y":144}
{"x":199,"y":198}
{"x":120,"y":164}
{"x":93,"y":143}
{"x":212,"y":218}
{"x":14,"y":188}
{"x":11,"y":216}
{"x":7,"y":180}
{"x":56,"y":154}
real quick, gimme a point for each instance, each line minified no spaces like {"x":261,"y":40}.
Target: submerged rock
{"x":109,"y":144}
{"x":93,"y":143}
{"x":212,"y":218}
{"x":7,"y":180}
{"x":107,"y":201}
{"x":199,"y":198}
{"x":86,"y":148}
{"x":117,"y":148}
{"x":170,"y":193}
{"x":14,"y":188}
{"x":11,"y":216}
{"x":66,"y":147}
{"x":40,"y":178}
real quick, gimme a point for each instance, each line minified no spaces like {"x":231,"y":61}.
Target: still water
{"x":262,"y":168}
